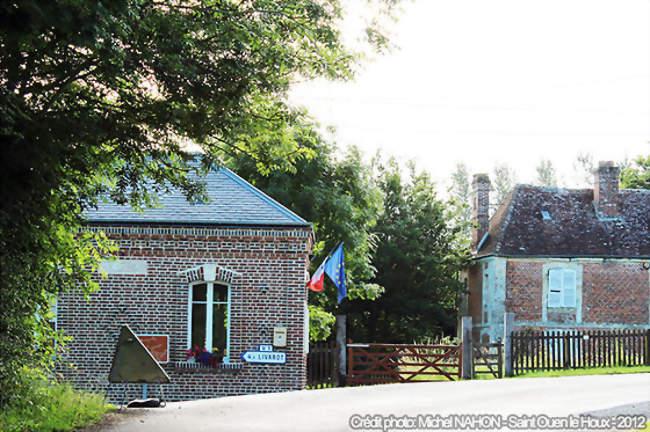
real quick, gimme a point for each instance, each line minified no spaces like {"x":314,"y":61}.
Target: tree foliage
{"x":546,"y":173}
{"x":104,"y":97}
{"x":637,"y":175}
{"x":320,"y":323}
{"x":460,"y":195}
{"x":584,"y":167}
{"x":337,"y":193}
{"x":417,"y":259}
{"x":503,"y":182}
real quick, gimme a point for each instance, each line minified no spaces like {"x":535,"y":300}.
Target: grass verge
{"x":540,"y":374}
{"x":321,"y":386}
{"x":587,"y":371}
{"x":48,"y":407}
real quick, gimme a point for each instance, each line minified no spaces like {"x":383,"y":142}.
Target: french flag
{"x":317,"y":279}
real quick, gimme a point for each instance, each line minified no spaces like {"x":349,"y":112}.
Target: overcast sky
{"x":487,"y":81}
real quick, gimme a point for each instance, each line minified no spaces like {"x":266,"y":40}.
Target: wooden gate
{"x":322,"y":365}
{"x":392,"y":363}
{"x":487,"y":359}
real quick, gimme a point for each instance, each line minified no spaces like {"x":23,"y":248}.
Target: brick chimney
{"x":480,"y":207}
{"x":606,"y":189}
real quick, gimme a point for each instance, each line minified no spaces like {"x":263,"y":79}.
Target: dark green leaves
{"x":419,"y":254}
{"x":108,"y":98}
{"x":637,"y":176}
{"x":335,"y":190}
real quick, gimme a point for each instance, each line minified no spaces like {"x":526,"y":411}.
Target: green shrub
{"x":50,"y":406}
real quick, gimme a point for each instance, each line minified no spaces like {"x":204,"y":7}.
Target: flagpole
{"x":332,"y":251}
{"x":329,"y":254}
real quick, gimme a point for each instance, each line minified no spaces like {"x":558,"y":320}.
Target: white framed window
{"x":209,"y":317}
{"x":561,"y":287}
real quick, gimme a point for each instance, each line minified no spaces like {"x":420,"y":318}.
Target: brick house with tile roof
{"x":560,"y":258}
{"x":224,"y":275}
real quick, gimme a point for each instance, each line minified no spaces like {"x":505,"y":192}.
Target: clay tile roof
{"x":518,"y":228}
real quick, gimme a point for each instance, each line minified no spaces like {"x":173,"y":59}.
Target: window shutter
{"x":555,"y":288}
{"x":569,"y":288}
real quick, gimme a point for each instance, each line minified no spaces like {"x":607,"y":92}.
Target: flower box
{"x":194,"y":367}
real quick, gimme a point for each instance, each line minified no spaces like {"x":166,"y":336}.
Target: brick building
{"x":560,"y":258}
{"x":226,"y":275}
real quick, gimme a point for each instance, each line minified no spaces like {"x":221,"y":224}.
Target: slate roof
{"x":574,"y":229}
{"x":232,"y":201}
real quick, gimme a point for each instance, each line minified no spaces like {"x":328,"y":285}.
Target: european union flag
{"x":335,"y":269}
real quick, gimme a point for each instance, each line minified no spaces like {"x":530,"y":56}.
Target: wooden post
{"x":350,"y":371}
{"x":341,"y":340}
{"x":565,"y":351}
{"x":508,"y":328}
{"x":647,"y":347}
{"x":500,"y":361}
{"x":467,"y":347}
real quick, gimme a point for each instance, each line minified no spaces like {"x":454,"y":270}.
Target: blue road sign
{"x":264,"y":357}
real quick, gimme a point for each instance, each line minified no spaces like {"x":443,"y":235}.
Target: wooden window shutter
{"x":569,"y":288}
{"x":555,"y":288}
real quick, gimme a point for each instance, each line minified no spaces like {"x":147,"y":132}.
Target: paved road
{"x":331,"y":409}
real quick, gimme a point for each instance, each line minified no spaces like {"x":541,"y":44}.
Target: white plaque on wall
{"x":125,"y":267}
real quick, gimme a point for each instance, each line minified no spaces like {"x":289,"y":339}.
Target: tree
{"x":504,"y":179}
{"x":342,"y":200}
{"x":460,"y":194}
{"x":546,"y":173}
{"x":584,"y":166}
{"x":102,"y":98}
{"x":417,"y":260}
{"x":637,"y":175}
